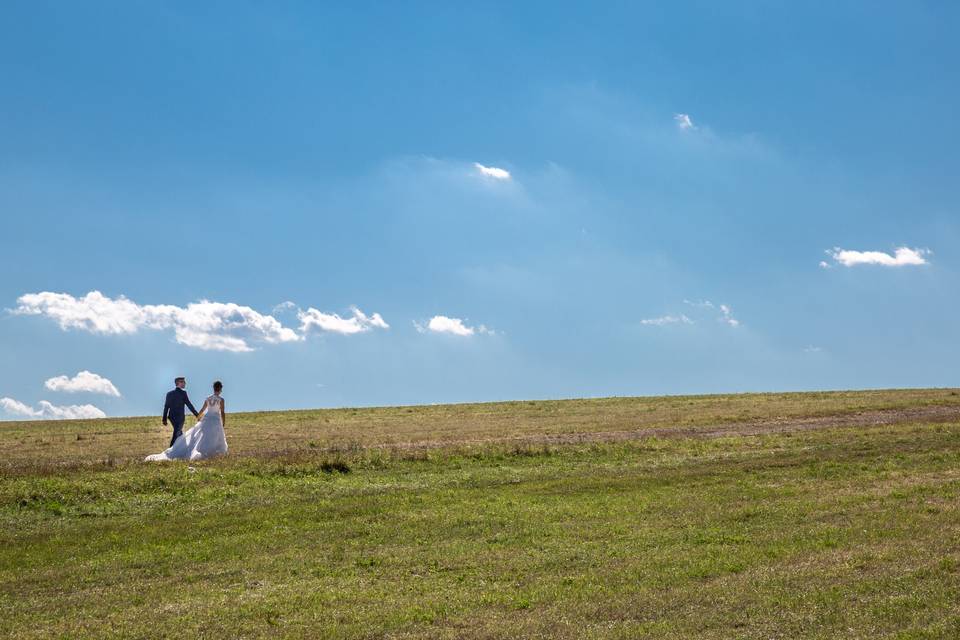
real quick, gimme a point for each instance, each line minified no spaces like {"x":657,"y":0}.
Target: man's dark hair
{"x":180,"y":379}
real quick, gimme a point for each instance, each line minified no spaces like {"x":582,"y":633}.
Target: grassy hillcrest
{"x":819,"y":515}
{"x":32,"y":444}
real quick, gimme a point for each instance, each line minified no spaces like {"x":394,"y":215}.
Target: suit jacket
{"x":173,"y":407}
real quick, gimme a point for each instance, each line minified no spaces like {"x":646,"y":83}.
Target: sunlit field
{"x":803,"y":515}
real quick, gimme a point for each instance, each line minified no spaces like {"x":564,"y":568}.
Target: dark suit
{"x":173,"y":409}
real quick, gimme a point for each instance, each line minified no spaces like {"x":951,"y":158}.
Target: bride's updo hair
{"x":218,"y":386}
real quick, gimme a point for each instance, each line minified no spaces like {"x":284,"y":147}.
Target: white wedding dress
{"x":204,"y":440}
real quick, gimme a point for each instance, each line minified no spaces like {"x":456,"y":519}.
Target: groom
{"x":173,"y":408}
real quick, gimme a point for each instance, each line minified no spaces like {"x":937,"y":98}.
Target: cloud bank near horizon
{"x":49,"y":411}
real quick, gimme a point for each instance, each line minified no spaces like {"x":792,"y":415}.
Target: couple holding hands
{"x":203,"y":440}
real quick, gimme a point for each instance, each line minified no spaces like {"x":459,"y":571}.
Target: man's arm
{"x":196,"y":414}
{"x":166,"y":408}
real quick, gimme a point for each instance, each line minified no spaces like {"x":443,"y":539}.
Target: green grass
{"x":482,"y":530}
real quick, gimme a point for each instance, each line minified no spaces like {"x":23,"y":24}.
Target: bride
{"x":206,"y":438}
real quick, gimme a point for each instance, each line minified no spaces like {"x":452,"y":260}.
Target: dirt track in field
{"x":863,"y":419}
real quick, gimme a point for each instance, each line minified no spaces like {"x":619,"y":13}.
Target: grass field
{"x":821,"y":515}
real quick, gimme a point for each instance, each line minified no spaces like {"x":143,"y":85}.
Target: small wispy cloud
{"x":902,"y":257}
{"x":663,"y":321}
{"x":812,"y":349}
{"x":48,"y":411}
{"x":492,"y":172}
{"x":703,"y":307}
{"x":684,"y":122}
{"x":284,"y":306}
{"x":83,"y":382}
{"x":726,"y":316}
{"x":453,"y":326}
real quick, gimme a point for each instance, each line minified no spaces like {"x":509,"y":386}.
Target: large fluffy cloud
{"x":86,"y":382}
{"x":214,"y":326}
{"x":902,"y":256}
{"x":315,"y":320}
{"x":48,"y":411}
{"x":453,"y":326}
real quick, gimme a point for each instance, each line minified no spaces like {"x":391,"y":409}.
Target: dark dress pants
{"x":177,"y":430}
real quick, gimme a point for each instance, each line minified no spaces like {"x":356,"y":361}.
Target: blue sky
{"x":531,"y":200}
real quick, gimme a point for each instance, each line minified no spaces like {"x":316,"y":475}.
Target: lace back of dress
{"x":213,"y":401}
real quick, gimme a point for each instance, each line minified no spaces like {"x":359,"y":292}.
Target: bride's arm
{"x":223,"y":414}
{"x":203,"y":410}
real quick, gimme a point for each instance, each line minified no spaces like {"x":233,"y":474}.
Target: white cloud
{"x":284,"y":306}
{"x":16,"y":408}
{"x":84,"y":381}
{"x":727,"y":316}
{"x":812,"y":349}
{"x":455,"y":326}
{"x":726,"y":313}
{"x":703,"y":306}
{"x":213,"y":326}
{"x":903,"y":256}
{"x":683,"y":121}
{"x":665,"y":320}
{"x":492,"y":172}
{"x":825,"y":265}
{"x":48,"y":411}
{"x":360,"y":322}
